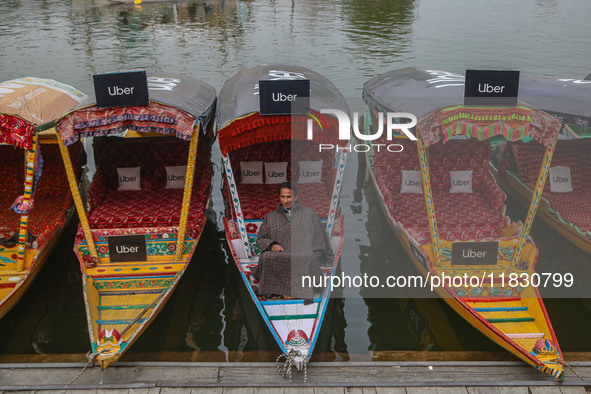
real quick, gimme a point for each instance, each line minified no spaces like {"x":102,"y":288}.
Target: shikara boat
{"x":147,"y":200}
{"x":566,"y":198}
{"x":247,"y":136}
{"x":460,"y":229}
{"x":34,"y":202}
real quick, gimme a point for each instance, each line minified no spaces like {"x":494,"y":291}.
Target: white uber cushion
{"x":129,"y":178}
{"x":411,"y":182}
{"x":175,"y":177}
{"x":560,"y":179}
{"x":461,"y":181}
{"x":310,"y":171}
{"x":251,"y":172}
{"x":276,"y":172}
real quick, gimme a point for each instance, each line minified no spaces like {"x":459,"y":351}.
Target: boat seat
{"x":258,"y":200}
{"x":151,"y":208}
{"x":154,"y":205}
{"x":460,"y":216}
{"x":52,"y":198}
{"x":574,"y":207}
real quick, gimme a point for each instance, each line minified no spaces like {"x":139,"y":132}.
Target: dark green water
{"x":348,"y":41}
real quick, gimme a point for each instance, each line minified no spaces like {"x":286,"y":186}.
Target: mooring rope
{"x":285,"y":370}
{"x":90,"y":356}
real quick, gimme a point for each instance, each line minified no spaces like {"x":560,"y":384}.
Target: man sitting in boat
{"x":293,"y":244}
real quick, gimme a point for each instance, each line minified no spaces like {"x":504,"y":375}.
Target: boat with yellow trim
{"x":449,"y":213}
{"x":566,"y":197}
{"x":147,"y":202}
{"x":251,"y":138}
{"x":34,"y":203}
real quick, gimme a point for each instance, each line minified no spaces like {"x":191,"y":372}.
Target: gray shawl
{"x":306,"y":246}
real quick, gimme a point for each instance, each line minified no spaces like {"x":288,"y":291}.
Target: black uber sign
{"x":474,"y":253}
{"x":284,"y":97}
{"x":124,"y":248}
{"x":494,"y":88}
{"x":123,"y":89}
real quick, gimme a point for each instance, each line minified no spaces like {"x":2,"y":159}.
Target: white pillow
{"x":175,"y":177}
{"x":276,"y":172}
{"x":129,"y":178}
{"x":310,"y":172}
{"x":251,"y":172}
{"x":412,"y":182}
{"x":461,"y":181}
{"x":560,"y":179}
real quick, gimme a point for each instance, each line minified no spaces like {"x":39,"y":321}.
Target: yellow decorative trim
{"x":537,"y":195}
{"x":73,"y":182}
{"x":24,"y":226}
{"x":428,"y":194}
{"x":187,"y":193}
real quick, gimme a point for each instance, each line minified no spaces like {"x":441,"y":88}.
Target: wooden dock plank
{"x":238,"y":390}
{"x":421,"y":390}
{"x":112,"y":391}
{"x":207,"y":390}
{"x":329,"y":390}
{"x":386,"y":390}
{"x":175,"y":390}
{"x":483,"y":390}
{"x":452,"y":390}
{"x":574,"y":390}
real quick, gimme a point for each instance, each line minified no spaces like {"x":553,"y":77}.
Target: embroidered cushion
{"x":129,"y":178}
{"x":560,"y":179}
{"x":275,"y":172}
{"x":310,"y":171}
{"x":175,"y":177}
{"x":411,"y":182}
{"x":461,"y":181}
{"x":251,"y":171}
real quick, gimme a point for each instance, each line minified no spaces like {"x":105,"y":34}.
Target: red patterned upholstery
{"x":257,"y":200}
{"x":11,"y":186}
{"x":573,"y":207}
{"x":52,"y":198}
{"x":153,"y":206}
{"x":460,"y":216}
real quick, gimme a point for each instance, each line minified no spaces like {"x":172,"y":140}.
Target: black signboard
{"x":284,"y":97}
{"x":418,"y":254}
{"x":491,"y":88}
{"x":127,"y":248}
{"x":123,"y":89}
{"x":474,"y":253}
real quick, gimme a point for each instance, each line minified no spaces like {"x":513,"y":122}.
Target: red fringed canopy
{"x":256,"y":128}
{"x":15,"y":131}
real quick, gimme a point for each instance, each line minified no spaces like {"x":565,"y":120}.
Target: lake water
{"x":348,"y":41}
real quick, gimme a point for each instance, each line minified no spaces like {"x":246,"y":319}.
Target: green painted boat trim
{"x":293,"y":317}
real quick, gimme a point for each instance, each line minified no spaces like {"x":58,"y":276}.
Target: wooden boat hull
{"x":497,"y":332}
{"x":284,"y":323}
{"x":34,"y":260}
{"x":122,"y":299}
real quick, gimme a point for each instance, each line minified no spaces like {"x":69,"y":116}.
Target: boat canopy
{"x":240,"y":123}
{"x":27,"y":104}
{"x":436,"y":98}
{"x":566,"y":99}
{"x":177,"y":104}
